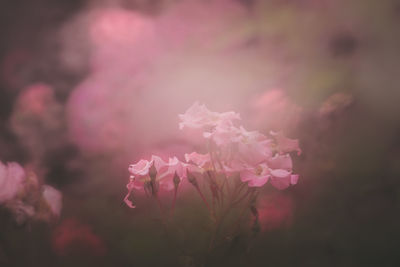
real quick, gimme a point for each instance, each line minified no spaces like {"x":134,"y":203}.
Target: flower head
{"x":199,"y":116}
{"x":285,"y":144}
{"x":12,"y":176}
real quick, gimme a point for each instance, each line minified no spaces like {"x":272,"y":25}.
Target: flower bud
{"x":152,"y":172}
{"x":192,"y":179}
{"x":177,"y":180}
{"x":254,"y":211}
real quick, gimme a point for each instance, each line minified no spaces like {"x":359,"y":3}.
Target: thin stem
{"x":243,"y":197}
{"x":162,"y":212}
{"x":205,"y":202}
{"x":173,"y":202}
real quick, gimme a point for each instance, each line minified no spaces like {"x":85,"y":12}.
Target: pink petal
{"x":127,"y":201}
{"x":280,"y":183}
{"x":260,"y":181}
{"x":281,"y":162}
{"x":247,"y":175}
{"x":280,"y":178}
{"x":53,"y":198}
{"x":294,"y":178}
{"x":285,"y":144}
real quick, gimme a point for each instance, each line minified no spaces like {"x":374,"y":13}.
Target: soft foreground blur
{"x":88,"y":87}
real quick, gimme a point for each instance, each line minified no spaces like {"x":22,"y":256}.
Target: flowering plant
{"x":236,"y":164}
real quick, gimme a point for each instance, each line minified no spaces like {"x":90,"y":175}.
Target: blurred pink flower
{"x":53,"y":198}
{"x":72,"y":236}
{"x":166,"y":173}
{"x":201,"y":160}
{"x":141,"y":168}
{"x":275,"y":211}
{"x":254,"y":152}
{"x":12,"y":177}
{"x":274,"y":110}
{"x":285,"y":144}
{"x":335,"y":103}
{"x":280,"y":162}
{"x":281,"y":179}
{"x":22,"y":195}
{"x":222,"y":134}
{"x":198,"y":116}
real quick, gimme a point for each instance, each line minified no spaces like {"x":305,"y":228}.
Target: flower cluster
{"x":25,"y":197}
{"x":232,"y":152}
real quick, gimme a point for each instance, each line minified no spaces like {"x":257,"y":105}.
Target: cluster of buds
{"x":231,"y":152}
{"x":23,"y":195}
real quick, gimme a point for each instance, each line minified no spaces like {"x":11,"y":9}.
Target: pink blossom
{"x":259,"y":175}
{"x":53,"y":198}
{"x":281,"y":179}
{"x":255,"y":177}
{"x":252,"y":147}
{"x":72,"y":233}
{"x":285,"y":144}
{"x":255,"y":152}
{"x":223,"y":134}
{"x":280,"y":162}
{"x":12,"y":176}
{"x":140,"y":171}
{"x":275,"y":110}
{"x":198,"y":116}
{"x":141,"y":168}
{"x":175,"y":166}
{"x":201,"y":160}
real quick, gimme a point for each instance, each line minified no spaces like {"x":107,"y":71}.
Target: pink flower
{"x":255,"y":152}
{"x":223,"y":134}
{"x":198,"y":116}
{"x":285,"y":144}
{"x":257,"y":176}
{"x":281,"y":179}
{"x":201,"y":160}
{"x":252,"y":146}
{"x":141,"y":168}
{"x":280,"y":162}
{"x":12,"y":176}
{"x":72,"y":237}
{"x":274,"y":110}
{"x":53,"y":198}
{"x":140,"y":171}
{"x":175,"y":166}
{"x":167,"y":173}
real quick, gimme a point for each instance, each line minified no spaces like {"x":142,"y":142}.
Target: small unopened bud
{"x":192,"y":179}
{"x":177,"y":180}
{"x":254,"y":211}
{"x":152,"y":172}
{"x":131,"y":177}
